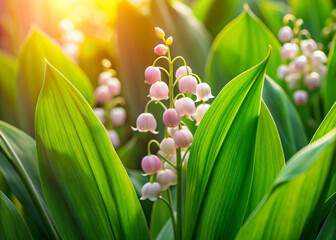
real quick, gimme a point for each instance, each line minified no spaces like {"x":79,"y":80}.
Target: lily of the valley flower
{"x":183,"y":138}
{"x":171,"y":118}
{"x":146,"y":123}
{"x":118,"y":116}
{"x":167,"y":146}
{"x":185,"y":106}
{"x":151,"y":164}
{"x":166,"y":178}
{"x":188,"y":84}
{"x":159,"y":91}
{"x":152,"y":75}
{"x":203,"y":92}
{"x":152,"y":191}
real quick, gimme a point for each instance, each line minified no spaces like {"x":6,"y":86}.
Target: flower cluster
{"x":109,"y":104}
{"x":71,"y":38}
{"x":304,"y":65}
{"x":173,"y":152}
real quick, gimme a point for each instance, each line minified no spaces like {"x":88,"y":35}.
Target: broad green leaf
{"x":166,"y":232}
{"x":7,"y":89}
{"x":85,"y":184}
{"x":31,"y":74}
{"x":314,"y":14}
{"x":273,"y":13}
{"x":25,"y":148}
{"x":12,"y":225}
{"x":286,"y":118}
{"x":236,"y":140}
{"x":329,"y":88}
{"x":328,"y":230}
{"x":239,"y":46}
{"x":301,"y":187}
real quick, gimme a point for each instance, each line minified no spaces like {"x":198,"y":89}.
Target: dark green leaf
{"x":329,"y":88}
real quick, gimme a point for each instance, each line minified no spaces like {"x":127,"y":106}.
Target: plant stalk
{"x":179,"y":194}
{"x":21,"y":171}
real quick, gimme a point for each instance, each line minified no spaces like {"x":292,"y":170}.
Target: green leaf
{"x":166,"y":232}
{"x":273,"y":13}
{"x":328,"y":231}
{"x":239,"y":46}
{"x":314,"y":14}
{"x":31,"y":74}
{"x":236,"y":140}
{"x":329,"y":87}
{"x":12,"y":225}
{"x":286,"y":118}
{"x":25,"y":148}
{"x":7,"y":89}
{"x":85,"y":184}
{"x":301,"y":187}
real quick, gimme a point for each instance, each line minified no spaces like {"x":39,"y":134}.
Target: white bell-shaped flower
{"x":100,"y":113}
{"x":185,"y":106}
{"x":285,"y":34}
{"x":200,"y":111}
{"x":167,"y":146}
{"x":118,"y":116}
{"x":159,"y":91}
{"x":289,"y":51}
{"x":114,"y":137}
{"x":300,"y":97}
{"x":203,"y":92}
{"x":313,"y":80}
{"x":283,"y":71}
{"x":183,"y":138}
{"x":152,"y":191}
{"x":166,"y":178}
{"x":146,"y":123}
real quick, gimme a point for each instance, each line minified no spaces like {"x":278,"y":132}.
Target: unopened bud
{"x":167,"y":146}
{"x":289,"y":51}
{"x":166,"y":178}
{"x":185,"y":106}
{"x":293,"y":80}
{"x":313,"y":80}
{"x":159,"y":33}
{"x":188,"y":84}
{"x":308,"y":46}
{"x":103,"y":77}
{"x":114,"y":85}
{"x":300,"y":62}
{"x":159,"y":91}
{"x":300,"y":97}
{"x":171,"y":118}
{"x":151,"y":164}
{"x":183,"y":138}
{"x":152,"y":75}
{"x":285,"y":34}
{"x":152,"y":191}
{"x":319,"y":57}
{"x":283,"y":71}
{"x":102,"y":94}
{"x":160,"y":50}
{"x":169,"y":40}
{"x":118,"y":116}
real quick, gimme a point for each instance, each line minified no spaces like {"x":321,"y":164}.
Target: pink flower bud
{"x":103,"y":94}
{"x":151,"y":164}
{"x":289,"y":51}
{"x":293,"y":80}
{"x":152,"y":75}
{"x":300,"y":62}
{"x":100,"y":112}
{"x":114,"y":137}
{"x":114,"y":85}
{"x":182,"y":71}
{"x":319,"y":57}
{"x":308,"y":46}
{"x":159,"y":33}
{"x":167,"y":146}
{"x":169,"y":40}
{"x":300,"y":97}
{"x":166,"y":178}
{"x":185,"y":106}
{"x":200,"y":111}
{"x":285,"y":34}
{"x":103,"y":77}
{"x":313,"y":80}
{"x":146,"y":122}
{"x":171,"y":118}
{"x":203,"y":92}
{"x":188,"y":84}
{"x":172,"y":130}
{"x":118,"y":116}
{"x":161,"y":50}
{"x":183,"y":138}
{"x":152,"y":191}
{"x":283,"y":71}
{"x":159,"y":91}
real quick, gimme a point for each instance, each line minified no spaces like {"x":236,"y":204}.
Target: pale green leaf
{"x":85,"y":184}
{"x":236,"y":139}
{"x":31,"y":74}
{"x":12,"y":225}
{"x":239,"y":46}
{"x":7,"y":89}
{"x":300,"y":187}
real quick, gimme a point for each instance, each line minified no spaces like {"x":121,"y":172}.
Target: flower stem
{"x":15,"y":162}
{"x":172,"y":213}
{"x":179,"y":194}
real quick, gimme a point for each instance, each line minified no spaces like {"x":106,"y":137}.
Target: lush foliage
{"x":231,"y":136}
